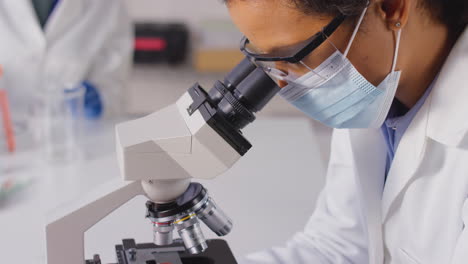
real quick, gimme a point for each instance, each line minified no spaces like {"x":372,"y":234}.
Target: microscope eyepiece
{"x":239,"y":73}
{"x":231,"y":104}
{"x":256,"y":90}
{"x":245,"y":91}
{"x":232,"y":79}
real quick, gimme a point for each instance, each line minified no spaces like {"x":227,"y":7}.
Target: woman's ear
{"x":394,"y":12}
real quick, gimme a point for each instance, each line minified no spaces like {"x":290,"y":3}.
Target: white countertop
{"x":269,"y":194}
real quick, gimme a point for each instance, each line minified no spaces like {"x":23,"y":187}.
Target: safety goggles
{"x":289,"y":63}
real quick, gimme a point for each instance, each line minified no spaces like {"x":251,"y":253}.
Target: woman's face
{"x":274,"y":24}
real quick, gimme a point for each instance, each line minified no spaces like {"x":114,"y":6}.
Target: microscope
{"x":197,"y":137}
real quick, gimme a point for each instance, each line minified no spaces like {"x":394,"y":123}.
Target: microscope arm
{"x":65,"y":230}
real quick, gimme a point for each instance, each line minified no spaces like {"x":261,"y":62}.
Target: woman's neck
{"x":425,"y":54}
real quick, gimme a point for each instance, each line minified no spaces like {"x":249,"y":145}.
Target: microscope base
{"x":148,"y":253}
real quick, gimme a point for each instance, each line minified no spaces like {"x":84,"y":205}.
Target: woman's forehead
{"x":272,"y":24}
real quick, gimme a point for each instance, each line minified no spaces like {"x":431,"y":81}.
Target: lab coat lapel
{"x":407,"y":158}
{"x":66,"y":13}
{"x":23,"y":19}
{"x":442,"y":118}
{"x":369,"y":153}
{"x":447,"y":122}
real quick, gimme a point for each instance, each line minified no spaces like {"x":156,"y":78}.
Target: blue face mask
{"x":337,"y":95}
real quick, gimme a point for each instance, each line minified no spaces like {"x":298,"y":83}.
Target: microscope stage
{"x":148,"y":253}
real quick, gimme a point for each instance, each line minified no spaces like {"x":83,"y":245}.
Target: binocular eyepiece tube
{"x":244,"y":91}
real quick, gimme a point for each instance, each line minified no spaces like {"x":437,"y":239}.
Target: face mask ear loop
{"x":397,"y":47}
{"x":355,"y":32}
{"x":312,"y":70}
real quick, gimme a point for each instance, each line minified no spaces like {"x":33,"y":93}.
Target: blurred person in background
{"x":85,"y":43}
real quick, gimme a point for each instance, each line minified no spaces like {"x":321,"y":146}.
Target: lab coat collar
{"x":448,"y":97}
{"x":447,"y":120}
{"x":442,"y":118}
{"x":407,"y":158}
{"x":65,"y":13}
{"x":24,"y":21}
{"x":369,"y":154}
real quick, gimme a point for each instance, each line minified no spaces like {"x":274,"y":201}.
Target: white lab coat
{"x":420,"y":216}
{"x":82,"y":40}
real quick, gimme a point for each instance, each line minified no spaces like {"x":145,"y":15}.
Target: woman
{"x":394,"y":73}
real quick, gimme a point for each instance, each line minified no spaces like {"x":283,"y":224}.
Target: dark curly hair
{"x":453,"y":13}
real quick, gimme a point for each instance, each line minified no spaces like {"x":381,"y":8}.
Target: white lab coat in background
{"x":82,"y":40}
{"x":421,"y":214}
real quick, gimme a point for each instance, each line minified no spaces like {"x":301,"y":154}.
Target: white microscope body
{"x":197,"y":137}
{"x":166,"y":149}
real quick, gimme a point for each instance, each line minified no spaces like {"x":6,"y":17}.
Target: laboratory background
{"x":71,"y":70}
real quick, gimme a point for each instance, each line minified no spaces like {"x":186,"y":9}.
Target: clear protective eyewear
{"x":290,"y":63}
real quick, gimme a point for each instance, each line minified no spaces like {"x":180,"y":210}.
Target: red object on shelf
{"x":150,"y":44}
